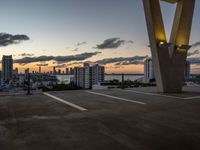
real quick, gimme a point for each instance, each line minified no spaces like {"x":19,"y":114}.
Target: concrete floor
{"x":113,"y":121}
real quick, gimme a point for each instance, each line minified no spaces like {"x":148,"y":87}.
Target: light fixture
{"x":163,"y":44}
{"x":183,"y":47}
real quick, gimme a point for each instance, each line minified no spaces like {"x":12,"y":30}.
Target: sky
{"x":66,"y":33}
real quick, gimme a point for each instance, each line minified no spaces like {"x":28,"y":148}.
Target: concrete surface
{"x":39,"y":122}
{"x":167,"y":54}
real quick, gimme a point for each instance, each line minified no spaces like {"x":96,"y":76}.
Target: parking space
{"x":148,"y":98}
{"x":151,"y":100}
{"x":23,"y":107}
{"x":100,"y":119}
{"x":188,"y":92}
{"x":94,"y":102}
{"x":125,"y":100}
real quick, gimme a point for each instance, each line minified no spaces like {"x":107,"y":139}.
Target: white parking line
{"x":168,"y":96}
{"x":188,"y":98}
{"x":65,"y":102}
{"x":114,"y":97}
{"x":154,"y":94}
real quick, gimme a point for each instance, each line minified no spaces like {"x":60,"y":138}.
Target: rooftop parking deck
{"x":130,"y":119}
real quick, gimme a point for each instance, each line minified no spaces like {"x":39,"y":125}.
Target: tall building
{"x":40,"y":69}
{"x":77,"y":76}
{"x":187,"y":71}
{"x":97,"y":74}
{"x":7,"y":68}
{"x":67,"y":70}
{"x":148,"y":70}
{"x":87,"y":75}
{"x":15,"y":73}
{"x":82,"y":76}
{"x":71,"y":71}
{"x":54,"y":70}
{"x":59,"y":71}
{"x":26,"y":72}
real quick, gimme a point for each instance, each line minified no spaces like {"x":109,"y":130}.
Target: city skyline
{"x":66,"y":32}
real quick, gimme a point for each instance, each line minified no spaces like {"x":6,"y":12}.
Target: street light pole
{"x":122,"y":86}
{"x":29,"y":90}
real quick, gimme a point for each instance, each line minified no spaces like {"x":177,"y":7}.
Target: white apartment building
{"x":87,"y":76}
{"x":7,"y":68}
{"x":187,"y":71}
{"x":97,"y":74}
{"x":148,"y":70}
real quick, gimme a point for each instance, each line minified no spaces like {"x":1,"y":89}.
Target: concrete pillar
{"x":169,"y":56}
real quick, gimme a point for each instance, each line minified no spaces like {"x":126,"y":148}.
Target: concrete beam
{"x":168,"y":60}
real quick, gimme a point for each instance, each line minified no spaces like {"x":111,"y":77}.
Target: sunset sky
{"x":66,"y":33}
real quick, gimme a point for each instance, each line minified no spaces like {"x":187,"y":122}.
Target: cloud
{"x":42,"y":65}
{"x":130,"y":41}
{"x":75,"y":63}
{"x":118,"y":61}
{"x":123,"y":60}
{"x":8,"y":39}
{"x":79,"y":57}
{"x":27,"y":60}
{"x":60,"y":66}
{"x":26,"y":55}
{"x":82,"y":43}
{"x":196,"y":52}
{"x":132,"y":62}
{"x":112,"y":43}
{"x":75,"y":50}
{"x":196,"y":44}
{"x":58,"y":59}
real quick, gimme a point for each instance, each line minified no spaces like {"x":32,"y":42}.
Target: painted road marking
{"x":168,"y":96}
{"x":114,"y":97}
{"x":154,"y":94}
{"x":65,"y":102}
{"x":196,"y":97}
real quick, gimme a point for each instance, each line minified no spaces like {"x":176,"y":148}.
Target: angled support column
{"x":169,"y":57}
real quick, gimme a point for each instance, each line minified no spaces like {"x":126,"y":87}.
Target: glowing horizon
{"x":67,"y":28}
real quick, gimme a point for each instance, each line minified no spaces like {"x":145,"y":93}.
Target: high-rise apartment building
{"x":40,"y":69}
{"x":26,"y":72}
{"x":187,"y":71}
{"x":97,"y":74}
{"x":59,"y":71}
{"x":7,"y":68}
{"x":15,"y":74}
{"x":67,"y":70}
{"x":87,"y":75}
{"x":71,"y":71}
{"x":54,"y":70}
{"x":148,"y":70}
